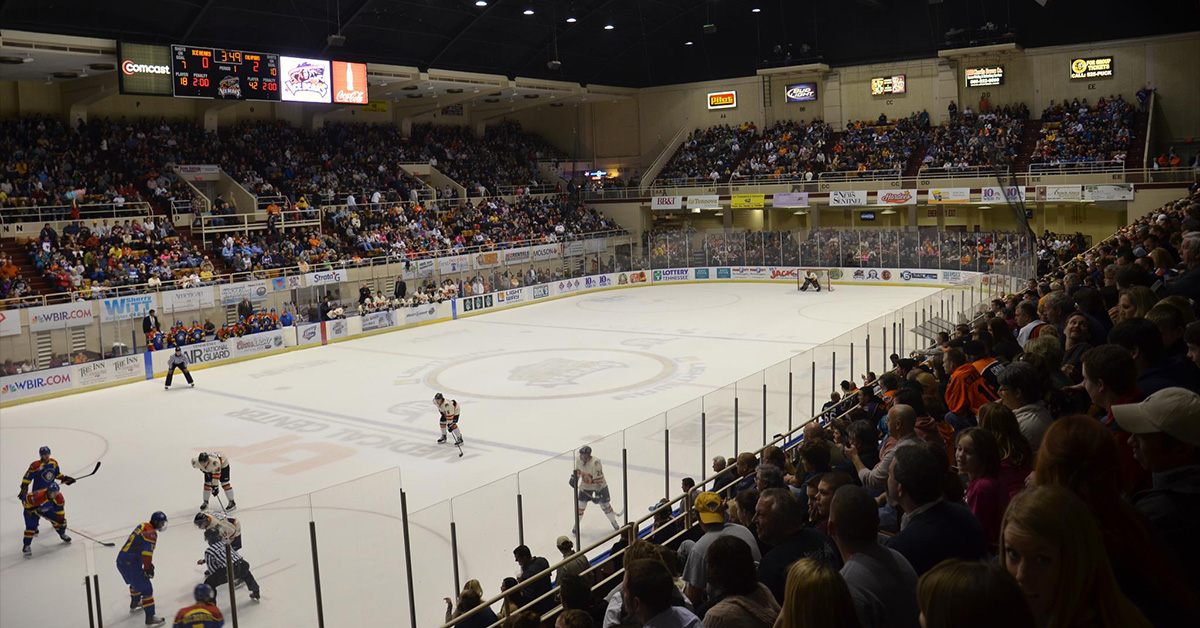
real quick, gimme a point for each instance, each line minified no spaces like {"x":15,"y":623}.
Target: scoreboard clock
{"x":224,"y":74}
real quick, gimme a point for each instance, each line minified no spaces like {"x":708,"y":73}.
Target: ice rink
{"x":304,"y":428}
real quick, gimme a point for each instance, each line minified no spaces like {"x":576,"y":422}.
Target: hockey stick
{"x":97,"y":468}
{"x":459,"y":445}
{"x":219,"y":501}
{"x":93,"y":539}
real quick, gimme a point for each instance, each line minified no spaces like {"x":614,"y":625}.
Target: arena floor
{"x":533,"y":382}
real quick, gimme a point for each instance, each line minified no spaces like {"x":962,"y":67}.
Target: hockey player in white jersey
{"x":449,"y":409}
{"x":215,"y":467}
{"x":590,"y":486}
{"x":228,"y":527}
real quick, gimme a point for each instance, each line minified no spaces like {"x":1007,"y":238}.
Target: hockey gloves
{"x":148,"y":571}
{"x":68,"y":480}
{"x":215,"y":490}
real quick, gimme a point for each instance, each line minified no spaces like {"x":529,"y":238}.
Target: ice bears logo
{"x":230,"y":86}
{"x":307,"y":77}
{"x":309,"y":333}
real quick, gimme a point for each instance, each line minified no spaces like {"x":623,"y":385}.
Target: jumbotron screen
{"x":224,"y":74}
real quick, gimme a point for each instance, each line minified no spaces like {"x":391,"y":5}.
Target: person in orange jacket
{"x":966,"y":392}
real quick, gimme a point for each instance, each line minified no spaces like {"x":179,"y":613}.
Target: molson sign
{"x":349,"y":83}
{"x":722,"y":100}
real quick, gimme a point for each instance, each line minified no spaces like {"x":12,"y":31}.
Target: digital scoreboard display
{"x":224,"y":74}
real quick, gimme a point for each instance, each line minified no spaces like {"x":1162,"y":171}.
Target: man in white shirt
{"x":1028,"y":320}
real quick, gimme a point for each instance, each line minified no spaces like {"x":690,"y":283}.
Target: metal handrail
{"x":62,"y":213}
{"x":965,"y":172}
{"x":1077,"y":167}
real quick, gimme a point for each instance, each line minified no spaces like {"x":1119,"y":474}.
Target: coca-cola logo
{"x":129,"y":68}
{"x":355,"y":96}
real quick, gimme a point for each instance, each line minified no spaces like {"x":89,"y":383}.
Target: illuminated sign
{"x":145,"y":69}
{"x":722,"y":100}
{"x":985,"y":77}
{"x":883,"y":85}
{"x":866,"y":216}
{"x":305,"y":80}
{"x":226,"y":74}
{"x":800,"y":92}
{"x":1093,"y":68}
{"x":349,"y":83}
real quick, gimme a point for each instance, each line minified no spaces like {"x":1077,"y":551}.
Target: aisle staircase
{"x":1031,"y":132}
{"x":37,"y":283}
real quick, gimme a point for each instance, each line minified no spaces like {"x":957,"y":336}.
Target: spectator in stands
{"x":1004,"y":344}
{"x":827,"y":485}
{"x":1155,"y":370}
{"x":977,"y":455}
{"x":1021,"y":390}
{"x":1135,"y":302}
{"x":531,"y":566}
{"x":966,"y":593}
{"x":1029,"y":323}
{"x":1109,"y":379}
{"x":470,"y":597}
{"x":1078,"y":454}
{"x":882,"y":582}
{"x":1016,"y":455}
{"x":864,"y":440}
{"x":816,"y":597}
{"x":902,"y":422}
{"x":931,"y":529}
{"x":780,"y":520}
{"x":743,"y":600}
{"x":1165,"y":436}
{"x":646,"y":594}
{"x":1191,"y":337}
{"x":966,"y":390}
{"x":576,"y":566}
{"x":574,"y":618}
{"x":1051,"y":544}
{"x":747,"y":465}
{"x":710,"y":509}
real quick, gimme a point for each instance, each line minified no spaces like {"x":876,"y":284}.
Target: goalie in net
{"x":813,"y":279}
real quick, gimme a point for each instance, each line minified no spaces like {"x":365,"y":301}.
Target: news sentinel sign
{"x":985,"y":77}
{"x":884,"y":85}
{"x":800,"y":92}
{"x":1093,"y":68}
{"x":722,"y":100}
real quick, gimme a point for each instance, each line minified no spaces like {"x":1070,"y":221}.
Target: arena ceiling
{"x":650,"y":42}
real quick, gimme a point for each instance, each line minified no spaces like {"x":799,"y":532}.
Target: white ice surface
{"x":533,"y":381}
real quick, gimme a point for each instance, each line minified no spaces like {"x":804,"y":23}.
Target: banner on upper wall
{"x":789,"y":199}
{"x":421,"y":268}
{"x":487,"y":259}
{"x":949,"y":195}
{"x":573,"y":248}
{"x":325,"y":277}
{"x":595,"y":245}
{"x":74,"y":314}
{"x":1053,"y":193}
{"x":36,"y":383}
{"x":847,"y":198}
{"x":704,"y":201}
{"x":1010,"y":194}
{"x":126,"y":308}
{"x":187,"y":299}
{"x":10,"y":322}
{"x":896,"y":197}
{"x":254,"y":290}
{"x":543,"y":252}
{"x":516,"y":256}
{"x":666,"y":202}
{"x":454,"y":264}
{"x":747,"y":201}
{"x":1117,"y":192}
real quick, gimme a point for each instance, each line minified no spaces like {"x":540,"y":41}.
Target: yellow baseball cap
{"x":710,"y":507}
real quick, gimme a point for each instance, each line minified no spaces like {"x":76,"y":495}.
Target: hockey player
{"x":136,"y":564}
{"x":449,"y":419}
{"x":215,"y":467}
{"x":178,"y":361}
{"x":204,"y":613}
{"x":590,"y":486}
{"x":47,"y":503}
{"x":810,"y":280}
{"x":42,"y":473}
{"x":215,"y":572}
{"x":228,"y":527}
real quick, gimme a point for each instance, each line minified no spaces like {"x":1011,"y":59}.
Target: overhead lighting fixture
{"x":756,"y":10}
{"x":695,"y":210}
{"x":609,"y":27}
{"x":528,"y":11}
{"x":687,"y":43}
{"x":481,"y":3}
{"x":571,"y":20}
{"x":887,"y":212}
{"x":800,"y":212}
{"x":719,"y":214}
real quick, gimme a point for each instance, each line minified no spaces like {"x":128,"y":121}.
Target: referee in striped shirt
{"x":178,"y":361}
{"x":214,"y":560}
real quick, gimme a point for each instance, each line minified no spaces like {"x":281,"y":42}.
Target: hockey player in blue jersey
{"x":136,"y":564}
{"x":204,"y":613}
{"x":42,"y":473}
{"x":47,"y":503}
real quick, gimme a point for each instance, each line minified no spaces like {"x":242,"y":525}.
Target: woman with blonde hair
{"x":816,"y":596}
{"x":1016,"y":456}
{"x":959,"y":593}
{"x":1134,"y":302}
{"x":470,"y":597}
{"x":1051,"y":544}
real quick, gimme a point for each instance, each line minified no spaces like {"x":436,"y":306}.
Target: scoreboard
{"x":224,"y":74}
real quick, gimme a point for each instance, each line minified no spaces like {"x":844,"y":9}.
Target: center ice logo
{"x":553,"y":372}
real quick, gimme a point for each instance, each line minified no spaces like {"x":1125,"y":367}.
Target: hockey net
{"x":821,"y":275}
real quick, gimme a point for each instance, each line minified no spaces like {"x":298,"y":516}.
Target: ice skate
{"x":155,"y":621}
{"x":27,"y":552}
{"x":135,"y":605}
{"x":66,"y":538}
{"x":256,"y":594}
{"x":442,"y":439}
{"x":232,"y":505}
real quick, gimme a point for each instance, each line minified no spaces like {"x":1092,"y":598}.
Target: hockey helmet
{"x":203,"y":457}
{"x":211,"y":536}
{"x":44,"y":451}
{"x":201,"y":520}
{"x":52,"y":488}
{"x":158,"y":520}
{"x":204,"y":593}
{"x":439,"y":398}
{"x":586,"y":450}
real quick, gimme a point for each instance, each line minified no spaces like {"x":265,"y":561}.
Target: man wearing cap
{"x":711,"y":510}
{"x":576,"y":566}
{"x":1165,"y":436}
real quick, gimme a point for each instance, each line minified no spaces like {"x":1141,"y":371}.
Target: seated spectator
{"x":470,"y":597}
{"x":1191,"y":337}
{"x":1078,"y":454}
{"x":1028,"y":323}
{"x":710,"y":509}
{"x":742,"y":601}
{"x":576,"y":566}
{"x":708,"y":154}
{"x":1021,"y":391}
{"x":574,"y":618}
{"x":981,"y":595}
{"x":864,"y":439}
{"x":530,"y":567}
{"x":647,"y":592}
{"x":826,"y":487}
{"x":1165,"y":436}
{"x":931,"y":529}
{"x":1109,"y":379}
{"x":576,"y":594}
{"x":816,"y":597}
{"x":966,"y":391}
{"x":1051,"y":544}
{"x":977,"y":455}
{"x":1155,"y":369}
{"x":1016,"y":455}
{"x":782,"y":533}
{"x":902,"y":422}
{"x":881,"y":581}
